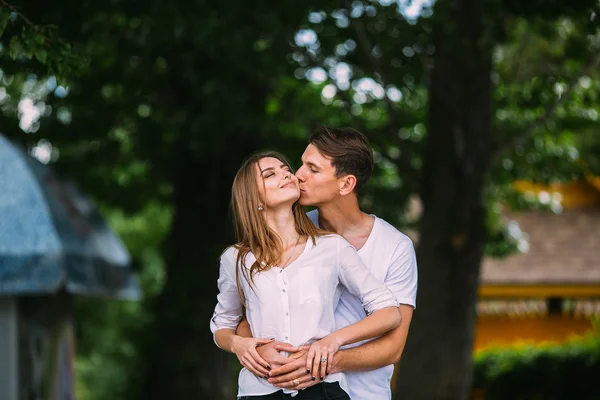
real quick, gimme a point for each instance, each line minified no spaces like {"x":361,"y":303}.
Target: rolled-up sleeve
{"x":359,"y":281}
{"x":402,"y":274}
{"x":228,"y":311}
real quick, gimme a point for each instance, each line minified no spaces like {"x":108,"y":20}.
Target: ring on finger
{"x":296,"y":382}
{"x":323,"y":359}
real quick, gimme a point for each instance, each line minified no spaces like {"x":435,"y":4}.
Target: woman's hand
{"x":320,"y":355}
{"x":245,"y":350}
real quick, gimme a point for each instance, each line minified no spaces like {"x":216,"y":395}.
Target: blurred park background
{"x":483,"y":115}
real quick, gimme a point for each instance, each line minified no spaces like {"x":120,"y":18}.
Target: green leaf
{"x":38,"y":38}
{"x":4,"y":19}
{"x":41,"y":55}
{"x":272,"y":106}
{"x":16,"y":47}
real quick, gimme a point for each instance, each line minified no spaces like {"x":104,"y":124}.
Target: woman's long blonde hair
{"x":251,"y":228}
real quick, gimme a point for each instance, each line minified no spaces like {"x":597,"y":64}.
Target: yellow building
{"x":551,"y":291}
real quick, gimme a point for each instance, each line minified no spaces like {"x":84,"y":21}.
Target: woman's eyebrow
{"x":267,"y":169}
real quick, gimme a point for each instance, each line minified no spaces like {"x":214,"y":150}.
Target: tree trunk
{"x":436,"y":363}
{"x":183,"y":361}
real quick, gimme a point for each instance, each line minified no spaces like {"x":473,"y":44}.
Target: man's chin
{"x":303,"y":201}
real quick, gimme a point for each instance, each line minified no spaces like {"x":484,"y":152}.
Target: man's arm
{"x":243,"y":329}
{"x":401,"y":279}
{"x":377,"y":353}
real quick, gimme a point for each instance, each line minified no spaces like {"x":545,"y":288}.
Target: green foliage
{"x":22,"y":41}
{"x":108,"y":331}
{"x":546,"y":99}
{"x":564,"y":372}
{"x":501,"y":240}
{"x":546,"y":115}
{"x":589,"y":145}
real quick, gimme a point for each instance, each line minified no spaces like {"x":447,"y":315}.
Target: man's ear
{"x":347,"y":184}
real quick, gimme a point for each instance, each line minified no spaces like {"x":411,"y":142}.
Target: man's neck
{"x":344,"y":217}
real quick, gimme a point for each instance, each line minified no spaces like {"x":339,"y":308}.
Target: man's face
{"x":318,"y":183}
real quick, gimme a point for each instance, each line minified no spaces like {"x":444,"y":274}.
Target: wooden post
{"x":37,"y":351}
{"x":47,"y":347}
{"x":9,"y":360}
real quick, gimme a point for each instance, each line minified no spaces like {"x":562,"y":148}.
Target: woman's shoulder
{"x":229,"y":255}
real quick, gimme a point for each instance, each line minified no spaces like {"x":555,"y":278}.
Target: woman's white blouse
{"x":296,"y":304}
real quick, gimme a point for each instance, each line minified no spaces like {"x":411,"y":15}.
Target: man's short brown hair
{"x":349,"y":150}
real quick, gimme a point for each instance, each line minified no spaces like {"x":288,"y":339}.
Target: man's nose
{"x":300,"y":174}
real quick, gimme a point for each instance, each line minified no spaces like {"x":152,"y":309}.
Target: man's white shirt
{"x":390,"y":256}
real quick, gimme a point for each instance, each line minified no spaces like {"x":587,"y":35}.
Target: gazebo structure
{"x":551,"y":291}
{"x":53,"y":246}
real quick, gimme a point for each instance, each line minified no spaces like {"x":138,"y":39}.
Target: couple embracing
{"x":315,"y":305}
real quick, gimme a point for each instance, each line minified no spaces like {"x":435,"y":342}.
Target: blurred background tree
{"x":152,"y":108}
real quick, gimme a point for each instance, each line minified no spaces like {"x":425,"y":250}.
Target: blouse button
{"x":286,"y":314}
{"x":283,"y":290}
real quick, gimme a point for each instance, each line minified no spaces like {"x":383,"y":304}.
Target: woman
{"x":288,"y":275}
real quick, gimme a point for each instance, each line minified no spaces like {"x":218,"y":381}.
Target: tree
{"x":461,"y":148}
{"x":452,"y":231}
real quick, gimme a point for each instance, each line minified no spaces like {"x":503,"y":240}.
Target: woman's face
{"x":276,"y":183}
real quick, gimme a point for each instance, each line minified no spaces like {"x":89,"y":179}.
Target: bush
{"x":561,"y":372}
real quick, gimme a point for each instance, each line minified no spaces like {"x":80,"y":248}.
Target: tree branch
{"x":365,"y":44}
{"x":19,"y":14}
{"x":549,"y":110}
{"x":409,"y":173}
{"x":523,"y":44}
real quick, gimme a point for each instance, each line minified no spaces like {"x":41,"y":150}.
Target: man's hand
{"x":295,"y":368}
{"x":270,"y":353}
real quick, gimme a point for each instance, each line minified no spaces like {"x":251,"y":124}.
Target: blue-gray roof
{"x":52,"y":237}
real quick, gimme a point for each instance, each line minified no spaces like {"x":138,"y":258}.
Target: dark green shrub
{"x":570,"y":371}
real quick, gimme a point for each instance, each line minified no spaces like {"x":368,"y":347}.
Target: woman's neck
{"x":283,"y":223}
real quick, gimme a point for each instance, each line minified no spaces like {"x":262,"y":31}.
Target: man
{"x":335,"y":166}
